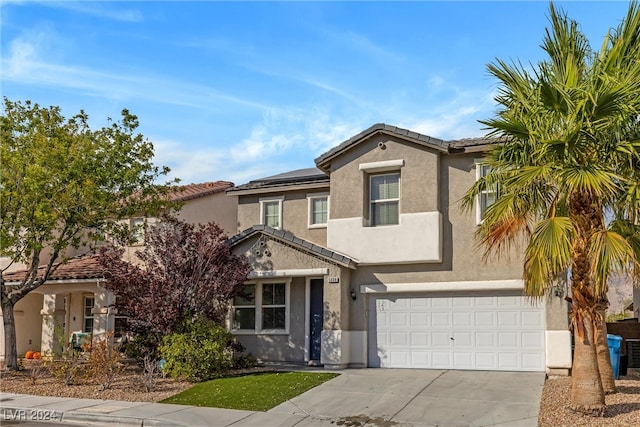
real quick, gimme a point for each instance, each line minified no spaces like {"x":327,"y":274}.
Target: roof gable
{"x":324,"y":160}
{"x":290,"y":239}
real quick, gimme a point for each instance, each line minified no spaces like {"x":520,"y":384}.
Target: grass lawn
{"x":253,"y":392}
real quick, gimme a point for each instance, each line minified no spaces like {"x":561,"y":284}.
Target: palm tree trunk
{"x":587,"y":395}
{"x":602,"y":351}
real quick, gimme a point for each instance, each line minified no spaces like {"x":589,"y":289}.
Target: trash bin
{"x":615,"y":342}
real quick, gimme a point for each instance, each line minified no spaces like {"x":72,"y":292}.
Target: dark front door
{"x":316,"y":318}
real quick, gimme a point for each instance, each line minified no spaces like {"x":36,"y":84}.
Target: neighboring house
{"x":368,"y":261}
{"x":74,"y":300}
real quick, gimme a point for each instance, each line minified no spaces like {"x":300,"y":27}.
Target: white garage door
{"x":482,"y":332}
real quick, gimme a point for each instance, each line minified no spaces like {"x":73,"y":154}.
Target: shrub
{"x":203,"y":350}
{"x":150,"y":373}
{"x":66,"y":366}
{"x":104,"y":363}
{"x":141,"y":346}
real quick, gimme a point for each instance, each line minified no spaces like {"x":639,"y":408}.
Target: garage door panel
{"x":420,"y":319}
{"x":463,"y":319}
{"x":399,"y":320}
{"x":462,"y":339}
{"x":399,"y":339}
{"x":508,"y":318}
{"x":485,"y":319}
{"x":441,"y":339}
{"x":463,"y":360}
{"x":419,"y":339}
{"x":508,"y":361}
{"x":485,"y":339}
{"x":487,"y":332}
{"x":462,"y":302}
{"x":485,"y":361}
{"x":532,"y":339}
{"x":532,"y":360}
{"x":441,"y":359}
{"x":530,"y":319}
{"x":420,"y":359}
{"x":440,"y":320}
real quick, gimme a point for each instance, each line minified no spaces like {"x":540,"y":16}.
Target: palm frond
{"x":609,"y":252}
{"x":548,"y":253}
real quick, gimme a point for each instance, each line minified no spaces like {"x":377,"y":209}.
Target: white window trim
{"x":84,"y":313}
{"x":310,"y":199}
{"x":371,"y":201}
{"x":134,"y":233}
{"x":258,"y":308}
{"x":382,"y":166}
{"x":264,"y":200}
{"x":479,"y":163}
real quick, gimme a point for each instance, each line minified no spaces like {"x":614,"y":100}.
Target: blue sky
{"x":239,"y":90}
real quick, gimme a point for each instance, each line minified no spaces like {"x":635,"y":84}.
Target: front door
{"x":316,"y":317}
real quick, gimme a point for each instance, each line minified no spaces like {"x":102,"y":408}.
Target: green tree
{"x":567,"y":154}
{"x":59,"y":180}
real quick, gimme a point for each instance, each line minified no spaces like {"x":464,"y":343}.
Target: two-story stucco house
{"x":74,"y":299}
{"x":368,"y":261}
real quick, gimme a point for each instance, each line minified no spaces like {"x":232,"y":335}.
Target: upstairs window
{"x":271,"y":212}
{"x":318,"y":210}
{"x":488,"y":196}
{"x":87,"y":326}
{"x":384,"y":198}
{"x":136,"y":225}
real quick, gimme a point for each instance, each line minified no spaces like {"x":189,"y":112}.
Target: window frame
{"x":310,"y":212}
{"x":258,"y":306}
{"x":481,"y":208}
{"x":86,"y":317}
{"x":371,"y":202}
{"x":268,"y":200}
{"x":137,"y":227}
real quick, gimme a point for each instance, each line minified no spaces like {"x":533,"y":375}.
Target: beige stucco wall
{"x":462,"y":258}
{"x":28,"y":323}
{"x":285,"y":259}
{"x":295,"y":214}
{"x":419,"y":179}
{"x":219,"y":207}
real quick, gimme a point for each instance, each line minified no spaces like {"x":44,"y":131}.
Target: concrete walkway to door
{"x":416,"y":397}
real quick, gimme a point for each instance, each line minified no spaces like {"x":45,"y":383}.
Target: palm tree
{"x":567,"y":157}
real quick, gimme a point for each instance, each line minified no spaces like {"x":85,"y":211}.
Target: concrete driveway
{"x":406,"y":397}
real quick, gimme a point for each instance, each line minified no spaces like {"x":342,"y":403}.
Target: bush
{"x":141,"y":346}
{"x":66,"y":367}
{"x":203,"y":350}
{"x":104,"y":363}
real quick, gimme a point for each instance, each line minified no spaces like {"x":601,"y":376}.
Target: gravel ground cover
{"x":623,"y":407}
{"x":127,"y":386}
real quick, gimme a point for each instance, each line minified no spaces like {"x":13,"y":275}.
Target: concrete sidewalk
{"x":358,"y":397}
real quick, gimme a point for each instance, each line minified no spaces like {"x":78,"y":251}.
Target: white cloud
{"x":27,"y":62}
{"x":89,"y":7}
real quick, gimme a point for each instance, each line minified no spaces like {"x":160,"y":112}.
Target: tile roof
{"x":289,"y":238}
{"x":84,"y":267}
{"x":181,"y":193}
{"x":298,"y":176}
